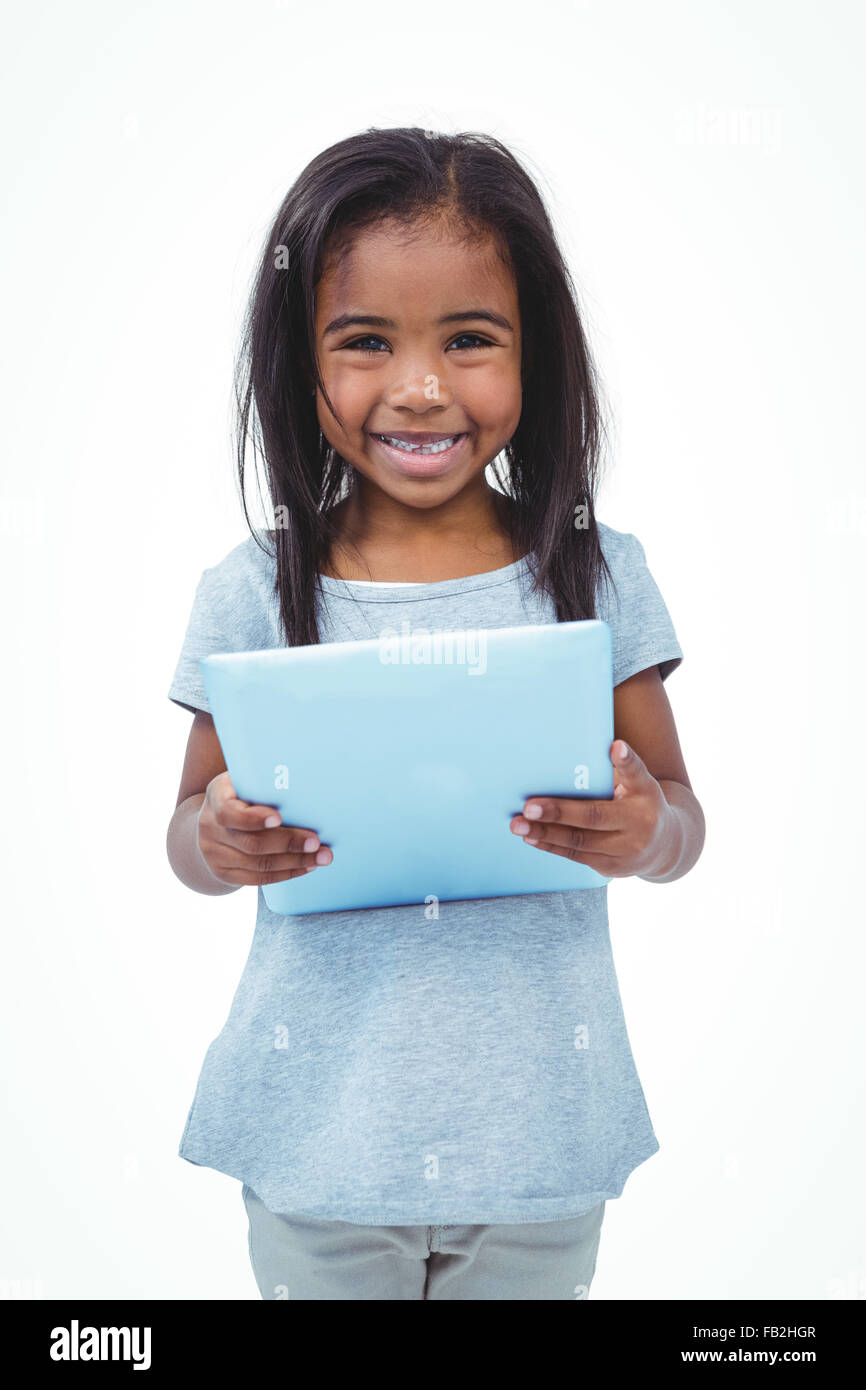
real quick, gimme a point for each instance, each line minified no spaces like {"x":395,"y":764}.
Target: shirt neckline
{"x":436,"y":588}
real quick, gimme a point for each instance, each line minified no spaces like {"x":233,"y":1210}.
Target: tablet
{"x":409,"y":753}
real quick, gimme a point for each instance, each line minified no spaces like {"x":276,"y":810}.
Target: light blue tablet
{"x":409,"y":753}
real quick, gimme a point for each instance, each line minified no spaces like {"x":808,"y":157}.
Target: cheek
{"x":495,"y":399}
{"x":351,"y":396}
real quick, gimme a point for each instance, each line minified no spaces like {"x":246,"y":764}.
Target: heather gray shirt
{"x":382,"y":1068}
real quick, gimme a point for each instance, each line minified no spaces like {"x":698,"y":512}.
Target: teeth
{"x":437,"y":448}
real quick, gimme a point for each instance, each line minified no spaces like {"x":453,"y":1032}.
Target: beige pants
{"x":304,"y":1257}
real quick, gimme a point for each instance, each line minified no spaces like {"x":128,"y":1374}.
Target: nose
{"x":418,"y":388}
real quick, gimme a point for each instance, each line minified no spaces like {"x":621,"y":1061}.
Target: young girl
{"x":426,"y":1109}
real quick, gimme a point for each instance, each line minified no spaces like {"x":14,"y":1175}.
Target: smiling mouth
{"x":438,"y":446}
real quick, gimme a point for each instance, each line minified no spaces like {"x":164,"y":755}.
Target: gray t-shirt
{"x":381,"y":1068}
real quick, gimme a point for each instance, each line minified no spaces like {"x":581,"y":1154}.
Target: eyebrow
{"x":337,"y":325}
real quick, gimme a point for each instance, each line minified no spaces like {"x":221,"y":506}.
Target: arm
{"x":204,"y":761}
{"x":644,"y":719}
{"x":687,"y":840}
{"x":212,"y":828}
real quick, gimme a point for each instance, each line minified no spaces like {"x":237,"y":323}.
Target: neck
{"x":381,"y":538}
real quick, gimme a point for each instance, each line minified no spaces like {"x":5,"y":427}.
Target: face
{"x":418,"y":340}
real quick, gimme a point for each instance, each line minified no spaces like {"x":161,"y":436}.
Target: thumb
{"x":628,"y":768}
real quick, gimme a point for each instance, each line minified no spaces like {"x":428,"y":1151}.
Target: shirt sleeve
{"x":642,"y":628}
{"x":205,"y":635}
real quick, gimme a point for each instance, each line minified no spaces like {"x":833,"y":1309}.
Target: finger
{"x":234,"y":814}
{"x":289,"y":839}
{"x":230,"y":810}
{"x":244,"y":877}
{"x":630,"y":772}
{"x":236,"y":866}
{"x":602,"y":863}
{"x":590,"y":813}
{"x":591,"y":841}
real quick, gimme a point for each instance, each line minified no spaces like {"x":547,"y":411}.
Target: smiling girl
{"x":417,"y":1109}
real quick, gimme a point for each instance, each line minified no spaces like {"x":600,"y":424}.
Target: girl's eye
{"x":356,"y":346}
{"x":475,"y":341}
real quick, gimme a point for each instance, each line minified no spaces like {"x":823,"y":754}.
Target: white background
{"x":701,"y":163}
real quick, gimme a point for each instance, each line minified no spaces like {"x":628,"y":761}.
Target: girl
{"x":424,"y":1109}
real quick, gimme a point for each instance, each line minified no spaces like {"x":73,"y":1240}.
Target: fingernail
{"x":521,"y":828}
{"x":272,"y":820}
{"x":324,"y":856}
{"x":311,"y":843}
{"x":533,"y":812}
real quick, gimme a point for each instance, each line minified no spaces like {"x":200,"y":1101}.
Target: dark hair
{"x":405,"y":175}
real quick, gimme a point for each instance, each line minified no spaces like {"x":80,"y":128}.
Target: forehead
{"x":397,"y":272}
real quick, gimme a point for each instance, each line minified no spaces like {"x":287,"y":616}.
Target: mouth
{"x":421,"y":454}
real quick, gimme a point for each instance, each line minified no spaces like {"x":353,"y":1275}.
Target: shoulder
{"x":625,"y":560}
{"x":245,"y":564}
{"x":634,"y":592}
{"x":619,"y":547}
{"x":643,"y":631}
{"x":239,"y":588}
{"x":244,"y":560}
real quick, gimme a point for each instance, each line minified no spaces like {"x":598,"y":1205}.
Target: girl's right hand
{"x":237,"y":848}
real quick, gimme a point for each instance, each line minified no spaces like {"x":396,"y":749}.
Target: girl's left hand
{"x":635,"y":833}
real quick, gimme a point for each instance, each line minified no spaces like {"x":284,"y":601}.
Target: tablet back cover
{"x":408,"y":756}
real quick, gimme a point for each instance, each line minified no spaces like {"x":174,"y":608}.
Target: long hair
{"x":553,"y":458}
